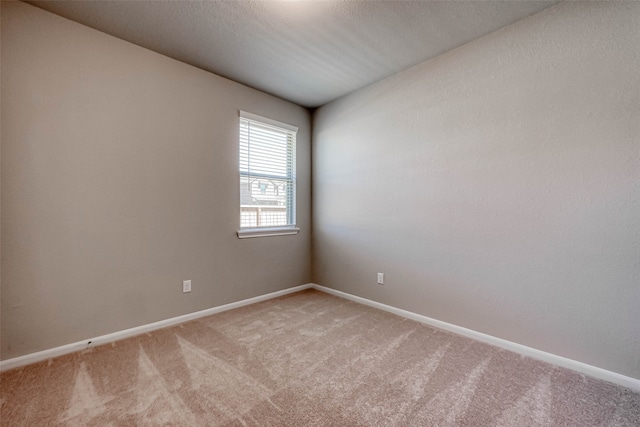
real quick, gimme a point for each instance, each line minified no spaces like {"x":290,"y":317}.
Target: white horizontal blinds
{"x":267,"y":174}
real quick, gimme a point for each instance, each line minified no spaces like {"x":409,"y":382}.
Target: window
{"x":267,"y":177}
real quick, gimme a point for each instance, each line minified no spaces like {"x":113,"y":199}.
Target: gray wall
{"x":120,"y":180}
{"x":497,"y":186}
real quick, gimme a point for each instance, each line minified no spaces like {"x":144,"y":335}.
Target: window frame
{"x":280,"y":230}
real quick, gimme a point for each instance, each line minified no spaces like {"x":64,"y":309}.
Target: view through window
{"x":267,"y":172}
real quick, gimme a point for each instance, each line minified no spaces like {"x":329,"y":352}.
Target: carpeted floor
{"x":307,"y":359}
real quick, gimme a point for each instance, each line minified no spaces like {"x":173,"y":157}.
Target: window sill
{"x":248,"y":233}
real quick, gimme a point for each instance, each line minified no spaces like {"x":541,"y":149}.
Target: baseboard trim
{"x":583,"y":368}
{"x":593,"y":371}
{"x":28,"y":359}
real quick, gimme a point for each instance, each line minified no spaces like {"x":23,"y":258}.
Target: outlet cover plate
{"x":186,"y":286}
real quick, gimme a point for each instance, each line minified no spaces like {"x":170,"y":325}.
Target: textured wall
{"x":497,"y":186}
{"x":119,"y":180}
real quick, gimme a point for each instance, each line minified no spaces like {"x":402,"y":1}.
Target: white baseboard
{"x":574,"y":365}
{"x":28,"y":359}
{"x":583,"y":368}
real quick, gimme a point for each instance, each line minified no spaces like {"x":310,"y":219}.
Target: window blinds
{"x":267,"y":172}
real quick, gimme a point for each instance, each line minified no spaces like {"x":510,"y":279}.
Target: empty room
{"x":320,"y":213}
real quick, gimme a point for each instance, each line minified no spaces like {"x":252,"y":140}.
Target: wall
{"x":497,"y":186}
{"x":120,"y":180}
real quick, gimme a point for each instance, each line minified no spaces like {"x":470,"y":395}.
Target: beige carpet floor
{"x":306,"y":359}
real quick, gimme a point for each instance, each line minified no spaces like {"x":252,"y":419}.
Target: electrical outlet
{"x":380,"y":278}
{"x":186,"y":286}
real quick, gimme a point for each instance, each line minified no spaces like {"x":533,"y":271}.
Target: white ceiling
{"x":308,"y":52}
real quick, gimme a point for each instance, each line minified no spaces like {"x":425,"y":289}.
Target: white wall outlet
{"x":380,"y":278}
{"x":186,"y":286}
